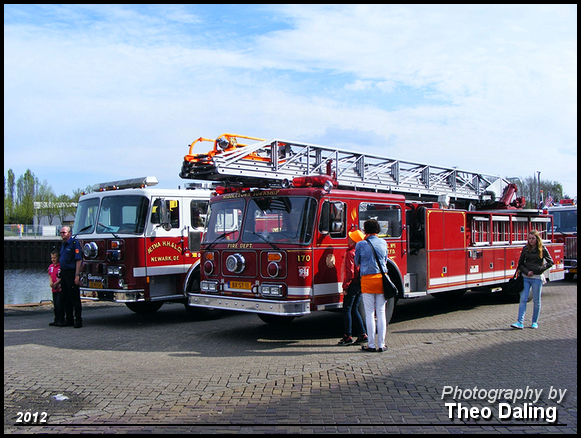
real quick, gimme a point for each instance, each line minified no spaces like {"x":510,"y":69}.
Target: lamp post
{"x":539,"y":191}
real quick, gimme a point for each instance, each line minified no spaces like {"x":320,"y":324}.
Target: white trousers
{"x":375,"y":306}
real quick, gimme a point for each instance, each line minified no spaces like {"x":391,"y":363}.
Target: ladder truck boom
{"x":272,"y":161}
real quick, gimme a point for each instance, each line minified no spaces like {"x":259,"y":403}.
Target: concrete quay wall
{"x":29,"y":250}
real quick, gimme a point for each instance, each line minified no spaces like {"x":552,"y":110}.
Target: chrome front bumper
{"x":272,"y":307}
{"x":112,"y":295}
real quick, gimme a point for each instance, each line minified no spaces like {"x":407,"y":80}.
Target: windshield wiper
{"x":83,"y":229}
{"x":108,"y":228}
{"x":263,"y":238}
{"x":221,"y":236}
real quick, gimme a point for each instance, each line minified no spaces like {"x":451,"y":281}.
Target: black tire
{"x":148,"y":307}
{"x":275,"y":319}
{"x":389,"y":308}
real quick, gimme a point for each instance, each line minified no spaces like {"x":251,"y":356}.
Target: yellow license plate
{"x":95,"y":284}
{"x":240,"y":285}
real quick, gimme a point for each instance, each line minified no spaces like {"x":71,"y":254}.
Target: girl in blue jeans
{"x":533,"y":262}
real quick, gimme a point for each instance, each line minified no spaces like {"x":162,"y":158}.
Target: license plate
{"x":95,"y":285}
{"x":240,"y":285}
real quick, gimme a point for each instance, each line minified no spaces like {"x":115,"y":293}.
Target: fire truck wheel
{"x":389,"y":308}
{"x":275,"y":319}
{"x":203,"y":314}
{"x":149,"y":307}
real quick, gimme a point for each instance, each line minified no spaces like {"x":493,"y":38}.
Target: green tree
{"x":9,"y":186}
{"x":21,"y":194}
{"x":26,"y":187}
{"x":65,"y":206}
{"x":46,"y":200}
{"x":78,"y":193}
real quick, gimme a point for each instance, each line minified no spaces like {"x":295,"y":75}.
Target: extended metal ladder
{"x":276,"y":160}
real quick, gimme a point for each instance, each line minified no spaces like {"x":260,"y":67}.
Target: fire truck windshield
{"x":113,"y":214}
{"x":564,"y":221}
{"x":271,"y":219}
{"x":86,"y":216}
{"x":122,"y":214}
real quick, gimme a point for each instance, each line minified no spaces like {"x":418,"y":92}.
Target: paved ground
{"x":164,"y":373}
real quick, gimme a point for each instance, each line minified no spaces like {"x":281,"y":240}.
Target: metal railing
{"x":20,"y":230}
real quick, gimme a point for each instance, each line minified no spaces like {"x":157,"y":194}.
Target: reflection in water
{"x":26,"y":285}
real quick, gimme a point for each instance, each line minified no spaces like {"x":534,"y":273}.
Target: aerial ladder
{"x":270,"y":162}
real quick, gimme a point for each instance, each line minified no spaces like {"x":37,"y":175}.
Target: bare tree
{"x":531,"y":190}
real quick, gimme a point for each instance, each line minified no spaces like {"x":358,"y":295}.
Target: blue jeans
{"x":351,"y":314}
{"x":537,"y":285}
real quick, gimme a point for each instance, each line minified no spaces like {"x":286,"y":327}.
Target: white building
{"x":41,"y":218}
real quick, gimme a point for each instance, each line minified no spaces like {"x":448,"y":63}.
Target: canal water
{"x":27,"y":285}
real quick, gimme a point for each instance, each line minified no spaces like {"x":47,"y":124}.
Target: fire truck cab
{"x":141,"y":245}
{"x":280,"y":252}
{"x":565,"y":230}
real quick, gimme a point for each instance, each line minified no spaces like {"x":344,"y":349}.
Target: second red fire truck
{"x":276,"y":233}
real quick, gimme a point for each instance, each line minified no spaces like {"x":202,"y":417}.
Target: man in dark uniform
{"x":71,"y":260}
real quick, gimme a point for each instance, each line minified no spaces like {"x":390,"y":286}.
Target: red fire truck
{"x":565,"y":230}
{"x":276,"y":234}
{"x":141,"y":245}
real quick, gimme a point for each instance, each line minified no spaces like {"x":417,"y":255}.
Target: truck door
{"x":446,"y":246}
{"x":329,"y":254}
{"x":165,"y":247}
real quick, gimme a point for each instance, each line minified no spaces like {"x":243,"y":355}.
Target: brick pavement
{"x":159,"y":373}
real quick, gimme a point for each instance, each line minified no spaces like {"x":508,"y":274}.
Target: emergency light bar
{"x":324,"y":181}
{"x":221,"y":190}
{"x":566,"y":202}
{"x":133,"y":183}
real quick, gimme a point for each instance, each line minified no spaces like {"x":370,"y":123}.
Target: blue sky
{"x":105,"y":92}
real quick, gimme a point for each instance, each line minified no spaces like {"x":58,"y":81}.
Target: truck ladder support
{"x":275,"y":160}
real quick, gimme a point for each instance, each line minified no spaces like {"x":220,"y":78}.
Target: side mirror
{"x":324,"y":221}
{"x":332,"y":220}
{"x":165,"y":219}
{"x":195,"y":241}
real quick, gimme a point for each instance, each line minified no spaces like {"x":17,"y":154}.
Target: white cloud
{"x":126,"y":89}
